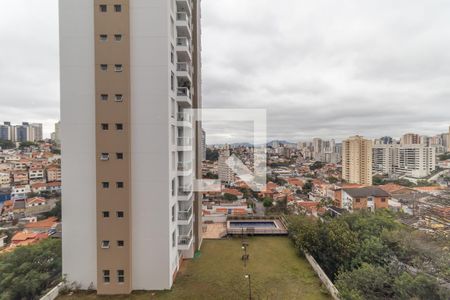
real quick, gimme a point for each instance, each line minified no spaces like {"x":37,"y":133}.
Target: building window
{"x":119,"y":185}
{"x":120,"y":244}
{"x":173,"y":187}
{"x":104,"y":156}
{"x":118,"y":67}
{"x":106,"y":276}
{"x":383,"y":199}
{"x":173,"y":213}
{"x":105,"y":126}
{"x":105,"y":185}
{"x":104,"y":67}
{"x":172,"y":81}
{"x":105,"y":214}
{"x":118,"y":8}
{"x":104,"y":97}
{"x":118,"y":37}
{"x":358,"y":200}
{"x":103,"y":37}
{"x":120,"y":214}
{"x":103,"y":8}
{"x":120,"y":276}
{"x":105,"y":244}
{"x":119,"y":98}
{"x":172,"y":54}
{"x":119,"y":126}
{"x":174,"y":237}
{"x":119,"y":155}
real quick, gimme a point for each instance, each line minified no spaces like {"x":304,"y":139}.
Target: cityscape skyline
{"x":328,"y":92}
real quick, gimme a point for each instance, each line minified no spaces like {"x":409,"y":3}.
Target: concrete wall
{"x":323,"y":277}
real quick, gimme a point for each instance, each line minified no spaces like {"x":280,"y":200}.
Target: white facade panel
{"x":78,"y":141}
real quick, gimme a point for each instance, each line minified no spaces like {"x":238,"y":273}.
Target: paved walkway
{"x":214,"y":231}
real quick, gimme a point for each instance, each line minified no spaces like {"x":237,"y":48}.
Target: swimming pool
{"x":252,"y":224}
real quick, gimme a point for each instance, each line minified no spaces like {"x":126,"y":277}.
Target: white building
{"x":226,"y":174}
{"x":129,"y":70}
{"x":414,"y":160}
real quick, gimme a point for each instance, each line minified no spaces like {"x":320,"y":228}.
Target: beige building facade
{"x":357,"y":160}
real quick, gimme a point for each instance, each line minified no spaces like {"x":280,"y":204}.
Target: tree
{"x":377,"y":180}
{"x":332,"y":179}
{"x":307,"y":187}
{"x":24,"y":145}
{"x":212,"y":155}
{"x":210,"y":175}
{"x":267,"y":202}
{"x":229,"y":197}
{"x":367,"y":282}
{"x":55,"y":211}
{"x":4,"y":144}
{"x":29,"y":270}
{"x":317,"y":165}
{"x":419,"y":287}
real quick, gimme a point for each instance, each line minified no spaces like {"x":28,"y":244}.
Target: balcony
{"x":185,"y":216}
{"x":185,"y":193}
{"x":184,"y":96}
{"x":184,"y":168}
{"x":184,"y":6}
{"x":185,"y":241}
{"x":183,"y":24}
{"x":185,"y":142}
{"x":184,"y":119}
{"x":184,"y":70}
{"x":184,"y":49}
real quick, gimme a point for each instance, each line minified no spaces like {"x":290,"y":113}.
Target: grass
{"x":218,"y":273}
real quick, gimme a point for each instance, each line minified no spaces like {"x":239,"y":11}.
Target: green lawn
{"x":218,"y":273}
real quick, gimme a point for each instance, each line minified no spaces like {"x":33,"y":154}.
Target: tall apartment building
{"x":129,"y":71}
{"x":226,"y":174}
{"x":6,"y":131}
{"x":21,"y":133}
{"x":357,"y":160}
{"x":397,"y":159}
{"x":410,"y":139}
{"x":448,"y":140}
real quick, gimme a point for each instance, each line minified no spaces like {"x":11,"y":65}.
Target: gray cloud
{"x":321,"y":68}
{"x":330,"y":68}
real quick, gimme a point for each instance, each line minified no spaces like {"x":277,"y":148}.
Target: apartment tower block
{"x":357,"y":160}
{"x":130,"y":71}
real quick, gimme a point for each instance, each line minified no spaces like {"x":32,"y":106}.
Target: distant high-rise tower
{"x":130,"y":72}
{"x":203,"y":145}
{"x":448,"y":140}
{"x":357,"y":160}
{"x":226,"y":174}
{"x":410,"y":139}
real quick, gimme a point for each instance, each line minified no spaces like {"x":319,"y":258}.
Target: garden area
{"x":218,"y":272}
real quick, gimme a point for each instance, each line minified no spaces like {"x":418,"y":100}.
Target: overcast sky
{"x":320,"y":68}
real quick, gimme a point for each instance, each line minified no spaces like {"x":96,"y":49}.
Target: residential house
{"x":371,"y":198}
{"x":53,"y":173}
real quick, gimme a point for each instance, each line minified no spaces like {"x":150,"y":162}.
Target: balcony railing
{"x":185,"y":215}
{"x":184,"y":42}
{"x":184,"y":117}
{"x":184,"y":166}
{"x":184,"y":239}
{"x":184,"y":142}
{"x":184,"y":67}
{"x":182,"y":16}
{"x":185,"y":190}
{"x":184,"y":92}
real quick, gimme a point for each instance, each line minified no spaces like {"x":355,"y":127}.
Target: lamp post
{"x":249,"y":286}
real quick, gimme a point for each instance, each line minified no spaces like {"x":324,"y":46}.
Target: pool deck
{"x":280,"y":229}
